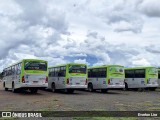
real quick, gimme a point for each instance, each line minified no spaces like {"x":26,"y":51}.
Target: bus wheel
{"x":90,"y":87}
{"x":6,"y":89}
{"x":104,"y":90}
{"x":70,"y":91}
{"x":126,"y":86}
{"x":152,"y":89}
{"x":141,"y":89}
{"x":34,"y":90}
{"x":53,"y":87}
{"x":13,"y":88}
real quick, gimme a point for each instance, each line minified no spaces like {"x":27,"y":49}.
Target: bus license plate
{"x":35,"y":81}
{"x":77,"y":83}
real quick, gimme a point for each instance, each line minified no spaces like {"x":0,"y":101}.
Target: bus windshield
{"x":35,"y":65}
{"x":152,"y":71}
{"x":115,"y":70}
{"x":77,"y":69}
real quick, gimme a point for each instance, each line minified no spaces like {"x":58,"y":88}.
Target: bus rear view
{"x":141,"y":77}
{"x":105,"y":77}
{"x":77,"y":76}
{"x":29,"y":74}
{"x":152,"y":78}
{"x":35,"y":74}
{"x":68,"y":77}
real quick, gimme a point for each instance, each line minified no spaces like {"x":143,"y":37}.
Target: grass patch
{"x":154,"y":108}
{"x":148,"y":103}
{"x":104,"y":118}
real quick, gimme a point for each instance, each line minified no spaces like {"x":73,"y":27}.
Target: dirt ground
{"x":114,"y":100}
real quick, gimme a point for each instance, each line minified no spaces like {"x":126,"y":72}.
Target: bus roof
{"x":139,"y":68}
{"x":67,"y":64}
{"x":25,"y":59}
{"x":105,"y":66}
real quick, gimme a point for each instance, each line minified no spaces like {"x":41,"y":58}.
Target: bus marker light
{"x":67,"y":81}
{"x":109,"y":81}
{"x":23,"y":80}
{"x":86,"y":82}
{"x":46,"y":80}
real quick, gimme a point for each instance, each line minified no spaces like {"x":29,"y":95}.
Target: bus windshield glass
{"x":115,"y":70}
{"x":152,"y":71}
{"x":77,"y":69}
{"x":35,"y":65}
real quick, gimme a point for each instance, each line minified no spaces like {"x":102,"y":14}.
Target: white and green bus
{"x":68,"y":77}
{"x":158,"y":77}
{"x":105,"y":77}
{"x":29,"y":74}
{"x":141,"y":77}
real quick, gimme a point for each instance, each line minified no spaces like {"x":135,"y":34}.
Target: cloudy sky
{"x":96,"y":32}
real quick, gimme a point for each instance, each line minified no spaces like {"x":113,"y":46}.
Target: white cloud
{"x":140,"y":62}
{"x":92,"y":32}
{"x":150,"y":8}
{"x":83,"y":61}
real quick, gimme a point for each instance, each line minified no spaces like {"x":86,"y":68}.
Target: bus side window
{"x":6,"y":72}
{"x":16,"y":69}
{"x":10,"y":72}
{"x":49,"y":73}
{"x":129,"y":74}
{"x":56,"y":72}
{"x":89,"y":73}
{"x":13,"y":70}
{"x":94,"y":73}
{"x":140,"y":73}
{"x":53,"y":72}
{"x":102,"y":72}
{"x":60,"y":73}
{"x":63,"y":71}
{"x":19,"y":69}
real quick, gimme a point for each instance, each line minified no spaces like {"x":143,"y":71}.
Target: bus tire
{"x":90,"y":87}
{"x":6,"y":89}
{"x":126,"y":86}
{"x":70,"y":91}
{"x":53,"y":87}
{"x":34,"y":90}
{"x":13,"y":88}
{"x":141,"y":89}
{"x":135,"y":89}
{"x":104,"y":90}
{"x":152,"y":89}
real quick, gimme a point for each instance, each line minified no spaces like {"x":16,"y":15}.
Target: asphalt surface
{"x":114,"y":100}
